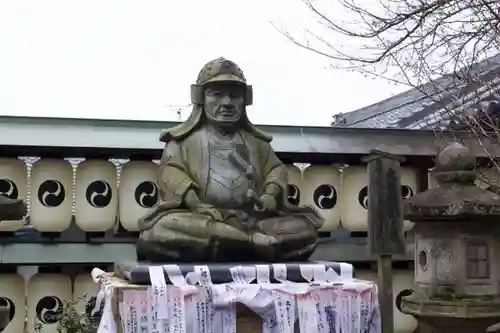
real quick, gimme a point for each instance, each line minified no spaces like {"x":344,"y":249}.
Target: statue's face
{"x":224,"y":102}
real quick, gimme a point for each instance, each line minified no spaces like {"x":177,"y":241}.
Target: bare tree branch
{"x":433,"y":46}
{"x":400,"y":34}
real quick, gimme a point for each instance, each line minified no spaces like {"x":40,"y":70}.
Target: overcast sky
{"x":134,"y":59}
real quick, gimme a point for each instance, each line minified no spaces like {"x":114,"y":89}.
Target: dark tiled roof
{"x":415,"y":109}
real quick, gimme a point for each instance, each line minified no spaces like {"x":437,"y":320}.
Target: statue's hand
{"x":191,"y":199}
{"x":268,"y":203}
{"x":209,"y":210}
{"x":193,"y":202}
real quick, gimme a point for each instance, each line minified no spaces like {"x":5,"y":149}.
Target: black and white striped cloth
{"x":137,"y":273}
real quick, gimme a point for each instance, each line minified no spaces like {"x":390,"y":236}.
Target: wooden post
{"x":385,"y":225}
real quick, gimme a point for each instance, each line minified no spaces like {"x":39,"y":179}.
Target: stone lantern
{"x":457,"y":249}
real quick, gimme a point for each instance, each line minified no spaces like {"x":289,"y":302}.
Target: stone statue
{"x":11,"y":209}
{"x":223,"y":189}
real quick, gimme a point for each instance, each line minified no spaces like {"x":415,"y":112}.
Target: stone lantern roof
{"x":456,"y":197}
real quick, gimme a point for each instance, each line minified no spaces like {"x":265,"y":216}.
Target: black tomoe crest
{"x":293,"y":194}
{"x":325,"y":196}
{"x":49,"y":309}
{"x":8,"y":188}
{"x":363,"y":197}
{"x":51,"y":193}
{"x":146,"y":194}
{"x":11,"y":307}
{"x":99,"y":194}
{"x":406,"y":192}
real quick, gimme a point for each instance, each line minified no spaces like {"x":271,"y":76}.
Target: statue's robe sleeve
{"x":174,"y":178}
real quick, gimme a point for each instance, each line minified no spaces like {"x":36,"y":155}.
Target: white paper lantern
{"x":51,"y":195}
{"x":402,"y":279}
{"x":408,"y":189}
{"x":12,"y":295}
{"x":138,"y":192}
{"x":320,"y":189}
{"x":354,"y":210}
{"x":13,"y":184}
{"x":46,"y":296}
{"x":84,"y":290}
{"x":355,"y":198}
{"x":294,"y":184}
{"x":96,"y":195}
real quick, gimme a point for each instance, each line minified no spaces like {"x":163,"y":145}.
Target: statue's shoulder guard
{"x":263,"y":142}
{"x":261,"y":135}
{"x":258,"y":136}
{"x":179,"y":132}
{"x":173,"y":133}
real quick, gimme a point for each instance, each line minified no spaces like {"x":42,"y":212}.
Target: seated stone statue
{"x":223,"y":189}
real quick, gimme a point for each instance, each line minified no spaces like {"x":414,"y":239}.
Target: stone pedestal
{"x":257,"y":291}
{"x":247,"y":320}
{"x":454,"y":315}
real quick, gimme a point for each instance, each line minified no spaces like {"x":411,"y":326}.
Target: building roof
{"x":98,"y":138}
{"x":432,"y":105}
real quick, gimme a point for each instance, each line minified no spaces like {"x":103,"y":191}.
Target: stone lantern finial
{"x":457,"y":196}
{"x":455,"y":164}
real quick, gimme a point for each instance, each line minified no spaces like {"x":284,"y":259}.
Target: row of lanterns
{"x":97,"y":205}
{"x":340,"y":197}
{"x":46,"y":294}
{"x":43,"y":299}
{"x":96,"y":197}
{"x":96,"y":201}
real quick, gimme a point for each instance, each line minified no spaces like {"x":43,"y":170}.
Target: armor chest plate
{"x":227,"y":184}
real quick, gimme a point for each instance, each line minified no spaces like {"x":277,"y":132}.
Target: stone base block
{"x":132,"y":302}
